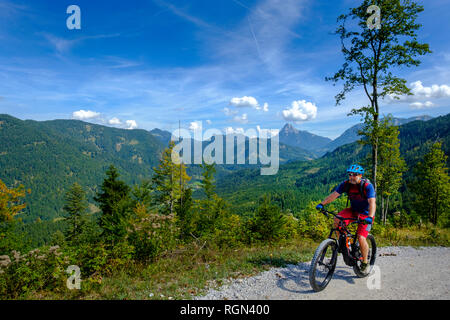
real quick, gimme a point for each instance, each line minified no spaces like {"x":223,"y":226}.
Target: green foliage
{"x":75,"y":207}
{"x":314,"y":224}
{"x":432,"y":186}
{"x":97,"y":259}
{"x":229,"y":232}
{"x":390,"y":166}
{"x":60,"y":152}
{"x":114,"y":200}
{"x":13,"y":238}
{"x":370,"y":56}
{"x":169,"y":180}
{"x":268,"y":222}
{"x":152,"y":233}
{"x":10,"y":201}
{"x":185,"y":214}
{"x":39,"y":269}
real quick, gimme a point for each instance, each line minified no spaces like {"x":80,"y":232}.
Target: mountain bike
{"x":324,"y":261}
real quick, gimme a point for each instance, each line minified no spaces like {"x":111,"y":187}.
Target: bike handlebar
{"x":356,"y":220}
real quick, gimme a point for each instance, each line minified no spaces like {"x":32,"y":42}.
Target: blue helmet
{"x":356,"y":168}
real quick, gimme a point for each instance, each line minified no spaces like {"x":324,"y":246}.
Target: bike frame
{"x":345,"y":235}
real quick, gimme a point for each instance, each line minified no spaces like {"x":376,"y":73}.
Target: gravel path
{"x":405,"y":273}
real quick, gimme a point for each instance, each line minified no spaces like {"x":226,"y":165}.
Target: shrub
{"x":268,"y":221}
{"x":39,"y":269}
{"x":314,"y":225}
{"x":229,"y":233}
{"x":152,"y":233}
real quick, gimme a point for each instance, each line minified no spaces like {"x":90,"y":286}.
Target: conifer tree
{"x":75,"y":206}
{"x":169,"y":181}
{"x":432,"y":186}
{"x":114,"y":201}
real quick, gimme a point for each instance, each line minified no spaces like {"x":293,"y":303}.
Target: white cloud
{"x":272,"y":132}
{"x":230,"y":130}
{"x":229,"y":112}
{"x":85,"y":114}
{"x":241,"y":119}
{"x":114,"y":121}
{"x":300,"y":110}
{"x":194,"y":125}
{"x":422,"y":105}
{"x":420,"y":93}
{"x":131,"y":124}
{"x":246,"y":102}
{"x":435,"y":91}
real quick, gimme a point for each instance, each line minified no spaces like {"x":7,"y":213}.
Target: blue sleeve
{"x":370,"y":191}
{"x":340,"y":188}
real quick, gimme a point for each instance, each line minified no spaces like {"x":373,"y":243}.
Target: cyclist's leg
{"x":362,"y":233}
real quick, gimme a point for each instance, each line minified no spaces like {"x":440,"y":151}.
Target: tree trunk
{"x":375,"y":155}
{"x":386,"y":210}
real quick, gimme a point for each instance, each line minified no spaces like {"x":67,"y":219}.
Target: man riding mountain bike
{"x":362,"y":205}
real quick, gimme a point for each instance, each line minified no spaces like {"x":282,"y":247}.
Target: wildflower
{"x":53,"y":249}
{"x":4,"y":261}
{"x":17,"y":256}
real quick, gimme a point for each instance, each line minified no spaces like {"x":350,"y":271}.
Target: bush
{"x":37,"y":270}
{"x":315,"y":225}
{"x":290,"y":228}
{"x":152,"y":233}
{"x":229,"y":233}
{"x":268,"y":221}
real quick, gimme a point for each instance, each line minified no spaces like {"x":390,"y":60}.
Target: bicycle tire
{"x":372,"y":255}
{"x":318,"y":256}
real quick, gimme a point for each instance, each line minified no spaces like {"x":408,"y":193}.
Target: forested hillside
{"x":49,"y":156}
{"x":299,"y":182}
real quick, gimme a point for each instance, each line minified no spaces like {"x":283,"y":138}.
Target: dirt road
{"x":400,"y":273}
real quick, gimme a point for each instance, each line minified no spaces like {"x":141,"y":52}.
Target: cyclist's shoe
{"x":363,"y":267}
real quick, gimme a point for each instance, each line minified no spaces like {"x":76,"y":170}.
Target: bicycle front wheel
{"x":323,"y":264}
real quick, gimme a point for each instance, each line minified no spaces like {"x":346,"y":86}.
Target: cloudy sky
{"x":223,"y":64}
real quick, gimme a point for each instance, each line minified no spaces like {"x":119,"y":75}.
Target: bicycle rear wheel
{"x":323,"y":264}
{"x":370,"y":258}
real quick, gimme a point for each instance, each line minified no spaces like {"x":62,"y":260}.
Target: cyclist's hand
{"x":368,"y":220}
{"x":319,"y":206}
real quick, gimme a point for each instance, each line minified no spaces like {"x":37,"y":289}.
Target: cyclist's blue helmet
{"x":356,"y":168}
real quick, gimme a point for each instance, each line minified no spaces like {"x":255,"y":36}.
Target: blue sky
{"x":228,"y":63}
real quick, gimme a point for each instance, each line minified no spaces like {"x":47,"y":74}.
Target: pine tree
{"x":75,"y":207}
{"x":268,"y":220}
{"x":183,"y":209}
{"x":207,"y":182}
{"x":432,"y":186}
{"x":114,"y":201}
{"x":390,"y":164}
{"x":213,"y":210}
{"x":169,"y":181}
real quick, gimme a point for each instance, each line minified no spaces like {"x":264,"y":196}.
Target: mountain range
{"x":49,"y":156}
{"x":319,"y":145}
{"x":297,"y":183}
